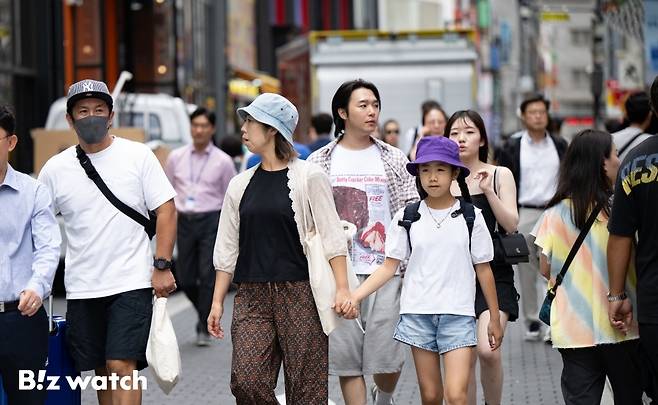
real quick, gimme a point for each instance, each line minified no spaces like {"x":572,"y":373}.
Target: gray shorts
{"x":353,"y":353}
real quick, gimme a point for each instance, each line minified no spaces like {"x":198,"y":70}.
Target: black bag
{"x":545,"y":311}
{"x":508,"y":248}
{"x":149,"y":223}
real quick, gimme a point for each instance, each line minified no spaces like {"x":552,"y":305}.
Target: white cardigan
{"x":319,"y":202}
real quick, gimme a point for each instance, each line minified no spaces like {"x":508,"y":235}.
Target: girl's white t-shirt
{"x":440,"y":277}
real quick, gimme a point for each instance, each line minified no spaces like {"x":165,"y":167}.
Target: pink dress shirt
{"x":200,"y":178}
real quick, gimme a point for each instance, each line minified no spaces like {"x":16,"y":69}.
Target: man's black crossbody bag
{"x":148,"y":223}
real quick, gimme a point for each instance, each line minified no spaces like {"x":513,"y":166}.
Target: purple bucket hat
{"x":437,"y":149}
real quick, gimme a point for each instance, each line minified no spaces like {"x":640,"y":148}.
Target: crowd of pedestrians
{"x":414,"y":215}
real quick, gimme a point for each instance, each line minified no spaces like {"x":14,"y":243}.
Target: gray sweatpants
{"x":529,"y":272}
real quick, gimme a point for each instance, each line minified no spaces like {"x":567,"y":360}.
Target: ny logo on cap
{"x":87,"y":86}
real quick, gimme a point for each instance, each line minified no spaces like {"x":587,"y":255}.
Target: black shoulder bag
{"x":148,"y":223}
{"x":545,"y":311}
{"x":508,"y":248}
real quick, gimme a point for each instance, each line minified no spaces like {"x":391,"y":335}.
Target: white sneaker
{"x":374,"y":391}
{"x":547,"y":337}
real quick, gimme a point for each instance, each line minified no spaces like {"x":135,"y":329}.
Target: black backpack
{"x":412,"y":215}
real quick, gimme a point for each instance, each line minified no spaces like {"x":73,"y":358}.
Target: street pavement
{"x":532,"y":369}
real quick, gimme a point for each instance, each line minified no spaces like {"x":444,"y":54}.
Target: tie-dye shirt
{"x":579,"y":314}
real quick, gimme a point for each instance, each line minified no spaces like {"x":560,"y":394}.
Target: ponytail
{"x":463,"y":187}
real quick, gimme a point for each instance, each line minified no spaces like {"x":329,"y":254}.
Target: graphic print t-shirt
{"x":633,"y":211}
{"x":360,"y":189}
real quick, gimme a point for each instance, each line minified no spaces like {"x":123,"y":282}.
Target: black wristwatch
{"x":161,"y":263}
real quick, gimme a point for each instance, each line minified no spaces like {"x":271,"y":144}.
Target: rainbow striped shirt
{"x":579,"y":315}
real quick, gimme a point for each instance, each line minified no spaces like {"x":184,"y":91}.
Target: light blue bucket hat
{"x":275,"y":111}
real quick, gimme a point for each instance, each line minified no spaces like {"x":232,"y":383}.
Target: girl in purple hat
{"x":437,"y":317}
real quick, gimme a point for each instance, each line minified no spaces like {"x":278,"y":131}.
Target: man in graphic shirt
{"x":633,"y":221}
{"x":370,"y":184}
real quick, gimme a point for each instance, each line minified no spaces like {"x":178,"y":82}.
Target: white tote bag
{"x":321,"y":276}
{"x":323,"y":283}
{"x":162,"y":348}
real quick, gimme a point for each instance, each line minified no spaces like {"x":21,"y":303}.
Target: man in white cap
{"x":110,"y":270}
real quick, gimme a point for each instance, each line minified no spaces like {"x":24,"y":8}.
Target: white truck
{"x":164,"y":118}
{"x":407,"y":68}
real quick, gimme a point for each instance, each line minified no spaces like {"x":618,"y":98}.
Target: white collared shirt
{"x":540,"y":164}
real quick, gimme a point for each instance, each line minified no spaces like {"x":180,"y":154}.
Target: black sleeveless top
{"x":502,"y":272}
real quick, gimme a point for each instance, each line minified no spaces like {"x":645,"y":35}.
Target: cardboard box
{"x":48,"y":143}
{"x":162,"y":153}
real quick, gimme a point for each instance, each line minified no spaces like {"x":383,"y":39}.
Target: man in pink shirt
{"x":200,"y":174}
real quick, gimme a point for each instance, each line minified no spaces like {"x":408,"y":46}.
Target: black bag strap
{"x":495,"y":187}
{"x":466,"y":209}
{"x":575,"y":247}
{"x":91,"y":172}
{"x":410,"y":216}
{"x":629,"y":143}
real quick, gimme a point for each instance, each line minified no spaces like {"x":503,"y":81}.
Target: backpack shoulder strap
{"x":468,"y":211}
{"x":629,"y":143}
{"x":410,"y":216}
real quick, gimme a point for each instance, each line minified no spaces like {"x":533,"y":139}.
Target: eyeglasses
{"x":392,"y":131}
{"x":5,"y":137}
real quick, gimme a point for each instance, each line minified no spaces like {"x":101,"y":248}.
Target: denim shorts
{"x":436,"y":333}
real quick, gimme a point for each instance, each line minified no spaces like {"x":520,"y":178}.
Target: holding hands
{"x":345,"y":305}
{"x":621,"y":314}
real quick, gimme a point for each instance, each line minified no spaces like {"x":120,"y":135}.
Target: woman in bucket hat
{"x":437,"y":316}
{"x":260,"y":247}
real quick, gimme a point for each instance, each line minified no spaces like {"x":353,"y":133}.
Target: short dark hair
{"x":231,"y":145}
{"x":533,"y":99}
{"x":210,"y":115}
{"x":654,"y":95}
{"x":637,"y":107}
{"x":429,"y":105}
{"x":7,"y":120}
{"x":473,"y":116}
{"x":342,"y":98}
{"x":322,"y":123}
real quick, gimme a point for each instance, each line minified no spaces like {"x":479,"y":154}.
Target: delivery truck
{"x":406,"y":67}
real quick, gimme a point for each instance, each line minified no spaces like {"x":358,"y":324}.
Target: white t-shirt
{"x":361,"y":195}
{"x":540,"y":164}
{"x":626,"y":138}
{"x":107,"y":252}
{"x":440,"y":277}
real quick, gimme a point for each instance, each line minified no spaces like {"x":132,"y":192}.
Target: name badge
{"x":190,"y":203}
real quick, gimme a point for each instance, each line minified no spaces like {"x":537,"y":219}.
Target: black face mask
{"x":91,"y":129}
